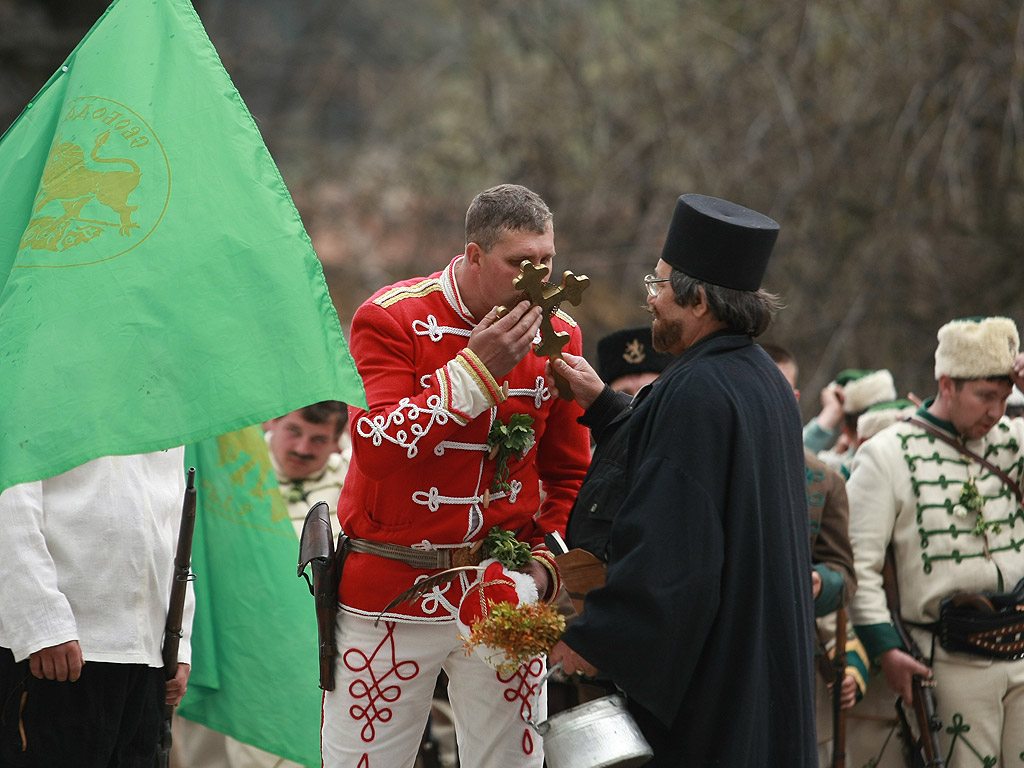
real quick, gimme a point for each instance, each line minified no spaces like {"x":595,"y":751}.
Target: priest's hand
{"x":586,"y":385}
{"x":572,"y":662}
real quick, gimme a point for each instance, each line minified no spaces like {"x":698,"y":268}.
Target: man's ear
{"x":700,"y":307}
{"x":473,"y":253}
{"x":946,"y":387}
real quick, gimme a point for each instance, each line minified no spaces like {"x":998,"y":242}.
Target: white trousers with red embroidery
{"x":384,"y":681}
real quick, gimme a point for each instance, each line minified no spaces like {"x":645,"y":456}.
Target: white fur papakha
{"x":860,"y":394}
{"x":975,"y":349}
{"x":871,"y":422}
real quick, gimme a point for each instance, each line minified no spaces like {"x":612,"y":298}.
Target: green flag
{"x":157,"y":287}
{"x":254,"y":644}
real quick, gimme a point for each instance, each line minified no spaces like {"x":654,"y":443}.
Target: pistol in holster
{"x":317,"y":550}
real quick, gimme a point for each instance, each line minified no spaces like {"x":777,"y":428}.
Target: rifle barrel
{"x":176,"y":609}
{"x":182,"y":575}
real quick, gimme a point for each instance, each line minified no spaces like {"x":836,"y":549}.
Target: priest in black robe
{"x":696,"y":493}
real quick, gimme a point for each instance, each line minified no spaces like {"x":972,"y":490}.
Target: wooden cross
{"x":548,"y":297}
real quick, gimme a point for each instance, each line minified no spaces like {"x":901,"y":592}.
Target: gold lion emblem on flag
{"x":106,"y":182}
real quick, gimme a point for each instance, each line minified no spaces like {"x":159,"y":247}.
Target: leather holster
{"x":317,"y":550}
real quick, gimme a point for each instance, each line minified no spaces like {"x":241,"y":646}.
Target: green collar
{"x":924,"y":413}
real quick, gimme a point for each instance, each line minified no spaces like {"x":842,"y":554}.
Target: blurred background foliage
{"x":886,"y":137}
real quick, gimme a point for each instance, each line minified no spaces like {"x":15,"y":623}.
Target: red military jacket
{"x":420,"y":465}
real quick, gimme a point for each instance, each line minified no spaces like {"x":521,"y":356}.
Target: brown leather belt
{"x":428,"y":559}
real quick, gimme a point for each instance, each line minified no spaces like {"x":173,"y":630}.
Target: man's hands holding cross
{"x":502,"y":343}
{"x":498,"y":340}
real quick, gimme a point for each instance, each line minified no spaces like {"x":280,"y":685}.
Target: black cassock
{"x":706,"y":619}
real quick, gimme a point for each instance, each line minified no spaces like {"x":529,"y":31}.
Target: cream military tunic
{"x":906,"y":488}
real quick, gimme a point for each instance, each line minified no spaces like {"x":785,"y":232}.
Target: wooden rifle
{"x":923,"y":751}
{"x":838,"y":713}
{"x":176,"y":609}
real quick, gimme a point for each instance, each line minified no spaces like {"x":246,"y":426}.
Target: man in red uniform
{"x":441,"y":370}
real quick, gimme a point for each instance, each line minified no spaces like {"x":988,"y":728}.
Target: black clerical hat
{"x":629,"y":351}
{"x":720,"y":242}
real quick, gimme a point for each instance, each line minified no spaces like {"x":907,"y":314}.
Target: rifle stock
{"x":176,"y":608}
{"x":923,"y":751}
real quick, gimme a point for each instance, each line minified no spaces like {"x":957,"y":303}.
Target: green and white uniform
{"x":906,"y":489}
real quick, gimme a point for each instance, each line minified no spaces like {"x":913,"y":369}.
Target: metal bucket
{"x":597,"y":734}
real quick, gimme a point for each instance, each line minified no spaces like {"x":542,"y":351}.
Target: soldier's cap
{"x":629,"y":351}
{"x":976,"y":348}
{"x":719,"y":242}
{"x":881,"y":415}
{"x":864,"y":388}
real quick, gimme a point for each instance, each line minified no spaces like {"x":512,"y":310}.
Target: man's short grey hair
{"x":748,"y":312}
{"x":506,"y":207}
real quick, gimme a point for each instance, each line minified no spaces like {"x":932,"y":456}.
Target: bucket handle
{"x":534,"y":702}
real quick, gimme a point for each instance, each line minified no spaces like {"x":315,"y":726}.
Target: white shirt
{"x":88,"y":555}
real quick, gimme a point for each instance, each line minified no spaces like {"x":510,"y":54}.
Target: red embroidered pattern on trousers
{"x":523,"y":690}
{"x":378,"y":691}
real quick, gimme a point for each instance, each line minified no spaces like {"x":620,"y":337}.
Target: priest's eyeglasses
{"x":651,"y":283}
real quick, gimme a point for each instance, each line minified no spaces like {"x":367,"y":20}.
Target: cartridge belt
{"x":428,"y":559}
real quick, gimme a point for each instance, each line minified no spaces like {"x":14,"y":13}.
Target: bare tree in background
{"x":886,"y":138}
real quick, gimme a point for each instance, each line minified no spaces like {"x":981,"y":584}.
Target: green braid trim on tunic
{"x":954,"y":481}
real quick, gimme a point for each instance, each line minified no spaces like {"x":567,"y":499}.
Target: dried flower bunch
{"x":515,"y":633}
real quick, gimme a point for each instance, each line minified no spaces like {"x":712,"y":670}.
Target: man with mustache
{"x":310,"y":452}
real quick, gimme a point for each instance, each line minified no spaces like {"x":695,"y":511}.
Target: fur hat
{"x":719,"y":242}
{"x":878,"y":417}
{"x":862,"y":389}
{"x":976,"y":348}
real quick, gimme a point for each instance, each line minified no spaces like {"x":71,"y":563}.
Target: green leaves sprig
{"x":970,"y":497}
{"x":509,"y":441}
{"x":506,"y":549}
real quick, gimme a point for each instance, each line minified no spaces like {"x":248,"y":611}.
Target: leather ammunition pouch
{"x":581,"y":572}
{"x":989,"y":624}
{"x":317,"y":550}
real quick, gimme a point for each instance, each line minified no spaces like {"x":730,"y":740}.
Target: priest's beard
{"x":665,"y":334}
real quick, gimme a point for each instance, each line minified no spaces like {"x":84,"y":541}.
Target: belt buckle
{"x":466,"y":556}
